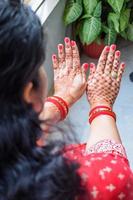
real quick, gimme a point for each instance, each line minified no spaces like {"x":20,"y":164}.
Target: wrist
{"x":68,"y":100}
{"x":103,"y":120}
{"x":93,"y":105}
{"x":101,"y":110}
{"x":60,"y":104}
{"x":103,"y":127}
{"x":50,"y":112}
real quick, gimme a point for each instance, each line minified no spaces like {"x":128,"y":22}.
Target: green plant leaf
{"x":89,"y":6}
{"x":114,"y":18}
{"x":110,"y":37}
{"x":116,"y":5}
{"x":72,"y":12}
{"x":89,"y":30}
{"x":79,"y":2}
{"x":98,"y":10}
{"x":77,"y":29}
{"x":105,"y":28}
{"x":124,"y":35}
{"x":130,"y":32}
{"x":85,"y":16}
{"x":124,"y":19}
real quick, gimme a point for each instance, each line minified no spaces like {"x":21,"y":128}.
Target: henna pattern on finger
{"x":75,"y":55}
{"x":76,"y":59}
{"x":102,"y":59}
{"x":116,"y":64}
{"x":110,"y":59}
{"x":61,"y":55}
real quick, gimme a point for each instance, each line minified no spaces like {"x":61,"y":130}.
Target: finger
{"x":68,"y":53}
{"x":116,"y":62}
{"x":110,"y":60}
{"x":61,"y":54}
{"x":120,"y":71}
{"x":75,"y":55}
{"x":55,"y":62}
{"x":102,"y":59}
{"x":84,"y":69}
{"x":92,"y":69}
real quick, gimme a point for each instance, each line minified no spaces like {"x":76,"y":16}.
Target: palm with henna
{"x":69,"y":76}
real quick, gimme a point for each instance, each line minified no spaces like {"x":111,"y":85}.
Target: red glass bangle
{"x":59,"y":106}
{"x":105,"y":112}
{"x":98,"y":110}
{"x":99,"y":107}
{"x":63,"y":102}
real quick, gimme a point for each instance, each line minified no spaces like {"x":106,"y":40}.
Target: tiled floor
{"x":123,"y":106}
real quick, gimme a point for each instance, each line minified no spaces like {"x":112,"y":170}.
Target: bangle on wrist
{"x":98,"y":108}
{"x":101,"y":110}
{"x":60,"y":104}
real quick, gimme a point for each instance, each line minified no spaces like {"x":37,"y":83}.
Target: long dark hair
{"x":27,"y":172}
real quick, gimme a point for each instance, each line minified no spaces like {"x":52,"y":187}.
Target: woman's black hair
{"x":21,"y":48}
{"x":21,"y":54}
{"x":15,"y":3}
{"x":27,"y":172}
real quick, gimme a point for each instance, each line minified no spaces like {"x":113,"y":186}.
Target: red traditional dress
{"x":104,"y":170}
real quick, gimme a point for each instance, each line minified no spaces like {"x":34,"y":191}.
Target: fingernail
{"x":91,"y":65}
{"x":107,"y":49}
{"x":60,"y":46}
{"x":118,"y":53}
{"x":67,"y":40}
{"x":113,"y":47}
{"x":53,"y":57}
{"x":86,"y":65}
{"x":73,"y":43}
{"x":123,"y":65}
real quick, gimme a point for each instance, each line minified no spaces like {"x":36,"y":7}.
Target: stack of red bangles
{"x":61,"y":105}
{"x":101,"y":110}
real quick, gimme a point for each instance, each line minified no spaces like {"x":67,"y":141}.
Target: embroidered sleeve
{"x":107,"y":146}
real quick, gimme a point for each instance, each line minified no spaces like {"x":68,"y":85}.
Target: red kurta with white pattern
{"x":104,"y":170}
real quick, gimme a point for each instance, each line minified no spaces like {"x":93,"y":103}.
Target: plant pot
{"x":93,"y":50}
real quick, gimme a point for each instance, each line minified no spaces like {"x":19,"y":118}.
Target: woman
{"x":29,"y":171}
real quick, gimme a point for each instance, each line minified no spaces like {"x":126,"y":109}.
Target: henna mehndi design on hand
{"x":69,"y":77}
{"x":104,"y":81}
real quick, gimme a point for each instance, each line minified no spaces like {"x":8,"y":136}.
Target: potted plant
{"x":99,"y":23}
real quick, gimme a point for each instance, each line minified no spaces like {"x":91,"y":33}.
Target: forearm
{"x":103,"y":127}
{"x":102,"y":90}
